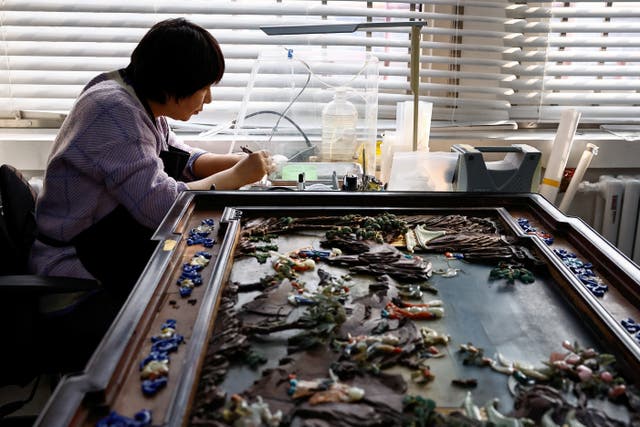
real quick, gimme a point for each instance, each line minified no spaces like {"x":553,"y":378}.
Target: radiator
{"x":615,"y":212}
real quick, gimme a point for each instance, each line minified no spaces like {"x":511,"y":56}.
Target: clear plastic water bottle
{"x":339,"y":135}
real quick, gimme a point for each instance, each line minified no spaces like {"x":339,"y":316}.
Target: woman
{"x":116,"y":168}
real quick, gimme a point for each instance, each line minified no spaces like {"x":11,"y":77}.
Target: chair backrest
{"x":18,"y":217}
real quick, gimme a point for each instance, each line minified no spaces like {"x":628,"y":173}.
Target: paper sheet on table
{"x":422,"y":171}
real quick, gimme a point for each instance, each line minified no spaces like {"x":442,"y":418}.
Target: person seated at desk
{"x":116,"y":168}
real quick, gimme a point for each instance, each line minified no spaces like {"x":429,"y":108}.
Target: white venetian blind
{"x":582,"y":54}
{"x":50,"y":49}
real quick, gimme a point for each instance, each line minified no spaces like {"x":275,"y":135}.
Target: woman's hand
{"x":254,"y":166}
{"x":249,"y":169}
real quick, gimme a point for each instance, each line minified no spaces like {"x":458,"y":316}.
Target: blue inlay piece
{"x":192,"y":267}
{"x":293,"y":384}
{"x":195,"y":239}
{"x":140,"y":419}
{"x":303,"y":301}
{"x":160,"y":349}
{"x":205,"y":254}
{"x":529,"y":229}
{"x":314,"y":254}
{"x":582,"y":270}
{"x":151,"y":387}
{"x":167,"y":345}
{"x":189,"y":274}
{"x":630,"y":325}
{"x":169,"y":323}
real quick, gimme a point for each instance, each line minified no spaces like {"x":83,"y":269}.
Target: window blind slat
{"x":575,"y":70}
{"x":572,"y":56}
{"x":528,"y":27}
{"x":599,"y":114}
{"x":570,"y":41}
{"x":310,"y":10}
{"x":480,"y":59}
{"x":566,"y":85}
{"x":566,"y":98}
{"x":521,"y":11}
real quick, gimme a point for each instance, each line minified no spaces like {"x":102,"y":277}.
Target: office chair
{"x":38,"y":339}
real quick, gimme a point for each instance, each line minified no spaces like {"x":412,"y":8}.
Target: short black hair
{"x":175,"y":58}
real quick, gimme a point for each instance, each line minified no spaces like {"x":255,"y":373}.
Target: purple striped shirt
{"x":105,"y":154}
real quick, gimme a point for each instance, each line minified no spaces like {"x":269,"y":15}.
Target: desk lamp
{"x":414,"y":62}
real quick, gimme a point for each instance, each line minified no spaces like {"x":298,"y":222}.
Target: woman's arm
{"x":205,"y":164}
{"x":208,"y":164}
{"x":250,"y":168}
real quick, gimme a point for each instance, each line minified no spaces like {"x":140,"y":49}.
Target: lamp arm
{"x":415,"y":80}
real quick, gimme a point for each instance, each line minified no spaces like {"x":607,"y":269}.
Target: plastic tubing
{"x":559,"y":154}
{"x":585,"y":160}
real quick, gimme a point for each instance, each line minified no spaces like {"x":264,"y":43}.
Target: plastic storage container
{"x":287,"y":93}
{"x":339,"y":134}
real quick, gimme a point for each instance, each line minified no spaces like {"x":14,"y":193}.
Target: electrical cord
{"x":295,"y":98}
{"x":287,"y":118}
{"x":310,"y":146}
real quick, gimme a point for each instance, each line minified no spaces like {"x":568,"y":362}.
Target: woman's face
{"x":184,"y":108}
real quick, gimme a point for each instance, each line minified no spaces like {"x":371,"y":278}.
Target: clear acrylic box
{"x":287,"y":91}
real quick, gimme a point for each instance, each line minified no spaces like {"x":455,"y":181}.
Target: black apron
{"x":116,"y":249}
